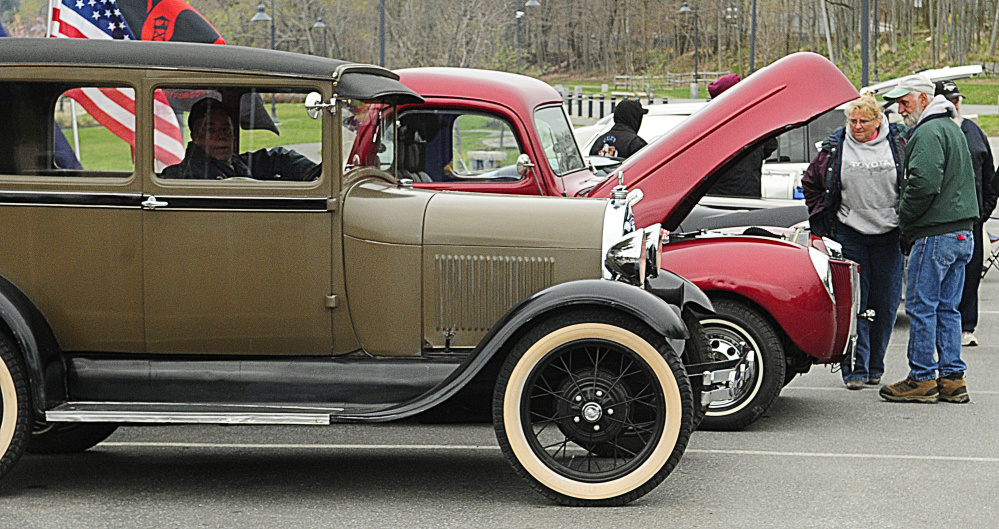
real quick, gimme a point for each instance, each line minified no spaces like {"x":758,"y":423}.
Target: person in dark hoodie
{"x":985,"y":185}
{"x":744,"y":178}
{"x":622,"y":140}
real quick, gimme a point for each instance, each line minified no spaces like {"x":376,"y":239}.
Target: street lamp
{"x":684,"y":10}
{"x":262,"y":16}
{"x":519,"y":15}
{"x":319,"y":25}
{"x":516,"y":39}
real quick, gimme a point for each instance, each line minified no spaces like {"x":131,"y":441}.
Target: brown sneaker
{"x":909,"y":390}
{"x":953,"y":390}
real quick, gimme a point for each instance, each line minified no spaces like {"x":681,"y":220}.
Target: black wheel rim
{"x":593,"y":410}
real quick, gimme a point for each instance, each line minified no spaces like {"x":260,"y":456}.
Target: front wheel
{"x":15,"y":406}
{"x":592,"y":408}
{"x":733,"y":326}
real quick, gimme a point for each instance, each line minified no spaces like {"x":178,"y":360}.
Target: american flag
{"x":115,"y":107}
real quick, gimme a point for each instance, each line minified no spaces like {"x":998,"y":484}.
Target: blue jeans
{"x":936,"y":279}
{"x":880,"y":263}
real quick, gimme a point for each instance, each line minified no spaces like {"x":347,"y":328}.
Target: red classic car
{"x":793,"y":304}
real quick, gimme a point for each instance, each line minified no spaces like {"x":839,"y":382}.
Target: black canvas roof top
{"x":368,"y":83}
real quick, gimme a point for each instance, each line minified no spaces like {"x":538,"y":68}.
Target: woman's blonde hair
{"x":867,"y":106}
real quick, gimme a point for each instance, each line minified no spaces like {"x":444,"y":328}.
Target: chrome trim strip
{"x":187,"y":417}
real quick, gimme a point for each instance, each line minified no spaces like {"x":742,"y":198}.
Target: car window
{"x":62,"y":130}
{"x":557,"y":140}
{"x":238,"y":133}
{"x":455,"y":146}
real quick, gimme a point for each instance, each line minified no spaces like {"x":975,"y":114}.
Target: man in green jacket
{"x":937,"y":208}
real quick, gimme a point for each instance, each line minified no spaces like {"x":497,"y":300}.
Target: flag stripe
{"x":115,"y":107}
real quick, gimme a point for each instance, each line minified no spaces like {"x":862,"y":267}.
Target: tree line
{"x":609,"y":37}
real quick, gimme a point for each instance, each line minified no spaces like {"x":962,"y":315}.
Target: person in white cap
{"x":938,"y":206}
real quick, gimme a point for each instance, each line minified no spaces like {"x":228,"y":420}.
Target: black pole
{"x":752,"y":41}
{"x":516,"y":42}
{"x":273,"y":20}
{"x":381,"y":34}
{"x":865,"y":30}
{"x":877,"y":29}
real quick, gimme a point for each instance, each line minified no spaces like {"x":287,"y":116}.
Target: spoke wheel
{"x":593,"y":413}
{"x":760,"y":379}
{"x":15,"y":403}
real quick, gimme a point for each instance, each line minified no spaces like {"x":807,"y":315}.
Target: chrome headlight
{"x":635,"y":258}
{"x":820,"y":260}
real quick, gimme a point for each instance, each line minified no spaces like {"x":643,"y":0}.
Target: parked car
{"x":792,"y":306}
{"x":782,"y":171}
{"x":333,"y":294}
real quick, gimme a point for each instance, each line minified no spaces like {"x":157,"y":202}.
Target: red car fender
{"x":776,"y":275}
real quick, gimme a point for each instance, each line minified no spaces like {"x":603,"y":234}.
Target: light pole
{"x":752,"y":42}
{"x":319,"y":25}
{"x":262,"y":16}
{"x":516,"y":39}
{"x":518,"y":14}
{"x":685,"y":9}
{"x":381,"y":34}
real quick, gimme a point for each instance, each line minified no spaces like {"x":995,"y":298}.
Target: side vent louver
{"x":475,"y":291}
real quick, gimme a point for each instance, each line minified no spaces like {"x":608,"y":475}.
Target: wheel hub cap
{"x":592,"y":412}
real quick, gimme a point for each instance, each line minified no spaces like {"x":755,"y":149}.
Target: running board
{"x":160,"y":413}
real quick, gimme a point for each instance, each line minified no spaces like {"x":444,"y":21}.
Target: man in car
{"x":938,"y":207}
{"x":985,"y":185}
{"x":744,"y":179}
{"x":211,"y":152}
{"x":622,"y":140}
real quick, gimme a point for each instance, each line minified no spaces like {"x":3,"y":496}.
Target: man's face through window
{"x":215,"y":135}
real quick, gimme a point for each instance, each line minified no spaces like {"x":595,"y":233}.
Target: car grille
{"x":475,"y":291}
{"x":846,"y":286}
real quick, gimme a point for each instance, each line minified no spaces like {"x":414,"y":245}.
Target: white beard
{"x":913,"y":117}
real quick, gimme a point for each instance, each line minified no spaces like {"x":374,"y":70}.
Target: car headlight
{"x":635,"y":258}
{"x":820,"y":260}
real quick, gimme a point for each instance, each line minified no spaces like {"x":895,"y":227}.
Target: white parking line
{"x":849,"y":456}
{"x":842,"y":388}
{"x":429,"y":447}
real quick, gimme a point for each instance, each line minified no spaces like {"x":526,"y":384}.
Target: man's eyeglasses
{"x":861,"y":122}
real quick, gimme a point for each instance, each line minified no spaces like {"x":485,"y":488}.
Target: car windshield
{"x":557,"y":140}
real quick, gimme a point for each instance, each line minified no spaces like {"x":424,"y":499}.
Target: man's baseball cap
{"x":912,"y":83}
{"x":948,"y":89}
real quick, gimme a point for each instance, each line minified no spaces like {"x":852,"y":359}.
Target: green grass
{"x":989,"y":124}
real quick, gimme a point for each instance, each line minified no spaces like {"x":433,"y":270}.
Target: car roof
{"x":515,"y":91}
{"x":353,"y":81}
{"x":938,"y":74}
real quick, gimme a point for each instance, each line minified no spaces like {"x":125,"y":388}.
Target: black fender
{"x":678,"y":290}
{"x":484,"y":361}
{"x":34,"y":337}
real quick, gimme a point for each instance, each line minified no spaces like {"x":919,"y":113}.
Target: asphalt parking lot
{"x":822,"y":457}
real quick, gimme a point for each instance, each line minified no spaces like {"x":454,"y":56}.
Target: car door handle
{"x":152,"y":203}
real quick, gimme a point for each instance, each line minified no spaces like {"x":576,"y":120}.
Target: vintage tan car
{"x":151,"y":272}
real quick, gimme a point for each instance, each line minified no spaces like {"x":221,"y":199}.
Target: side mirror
{"x":523,"y":164}
{"x":314,"y":105}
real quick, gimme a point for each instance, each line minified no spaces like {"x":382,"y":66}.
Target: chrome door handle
{"x":153,"y":203}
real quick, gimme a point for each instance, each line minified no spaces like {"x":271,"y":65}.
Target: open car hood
{"x":677,"y":169}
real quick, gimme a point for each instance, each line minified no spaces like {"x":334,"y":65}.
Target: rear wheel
{"x":15,"y":406}
{"x":592,"y":408}
{"x":733,"y":326}
{"x":69,"y":438}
